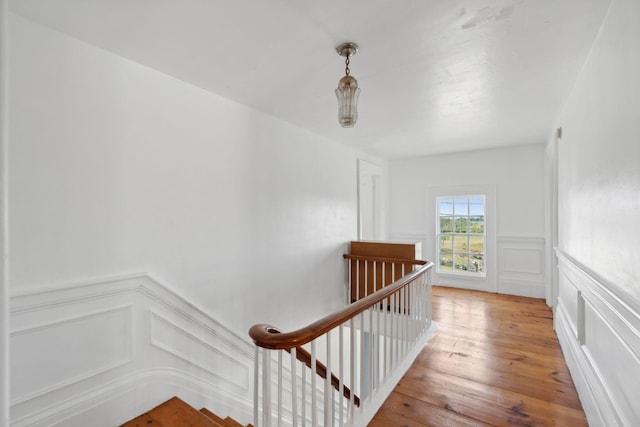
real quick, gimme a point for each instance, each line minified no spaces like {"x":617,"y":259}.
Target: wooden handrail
{"x":267,"y":336}
{"x":382,"y":259}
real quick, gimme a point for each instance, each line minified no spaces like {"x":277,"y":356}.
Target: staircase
{"x":177,"y":413}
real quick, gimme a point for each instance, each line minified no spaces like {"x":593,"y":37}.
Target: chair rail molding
{"x":110,"y":349}
{"x":599,"y":331}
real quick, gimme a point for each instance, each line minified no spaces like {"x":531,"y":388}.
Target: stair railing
{"x":367,"y":274}
{"x":363,"y":347}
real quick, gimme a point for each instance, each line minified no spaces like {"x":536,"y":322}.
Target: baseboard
{"x":102,"y":352}
{"x":599,"y":331}
{"x":582,"y":374}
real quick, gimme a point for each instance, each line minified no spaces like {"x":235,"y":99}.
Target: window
{"x":460,"y":233}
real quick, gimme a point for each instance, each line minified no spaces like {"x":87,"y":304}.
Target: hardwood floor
{"x":495,"y":360}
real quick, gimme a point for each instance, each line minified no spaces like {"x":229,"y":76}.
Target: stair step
{"x":173,"y":413}
{"x":213,"y":416}
{"x":227,"y":422}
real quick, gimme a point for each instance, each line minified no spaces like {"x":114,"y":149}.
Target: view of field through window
{"x":461,"y":234}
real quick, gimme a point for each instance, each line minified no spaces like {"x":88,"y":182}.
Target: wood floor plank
{"x":424,"y":413}
{"x":488,"y":404}
{"x":467,"y":347}
{"x":494,"y":338}
{"x":495,"y":360}
{"x":541,"y":383}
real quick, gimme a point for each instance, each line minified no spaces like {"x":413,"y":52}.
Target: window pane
{"x":476,"y":224}
{"x":445,"y":262}
{"x":476,"y":206}
{"x":462,"y":225}
{"x":446,"y":224}
{"x":476,"y":263}
{"x":446,"y":207}
{"x":461,"y":207}
{"x":446,"y":244}
{"x":476,"y":245}
{"x":460,"y":244}
{"x":462,"y":262}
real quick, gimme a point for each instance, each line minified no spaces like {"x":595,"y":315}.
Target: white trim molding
{"x":103,"y":352}
{"x":487,"y":283}
{"x":4,"y":213}
{"x":599,"y":331}
{"x":521,"y":266}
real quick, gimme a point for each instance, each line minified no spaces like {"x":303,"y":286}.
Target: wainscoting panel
{"x":521,"y":266}
{"x":599,"y":331}
{"x":100,"y":353}
{"x":103,"y":338}
{"x":175,"y":340}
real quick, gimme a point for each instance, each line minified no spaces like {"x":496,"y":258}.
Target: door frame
{"x":369,"y":169}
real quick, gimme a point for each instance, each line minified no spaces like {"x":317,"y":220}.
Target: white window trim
{"x":483,"y":274}
{"x":489,"y":283}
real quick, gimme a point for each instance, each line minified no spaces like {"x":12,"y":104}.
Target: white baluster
{"x":370,"y":356}
{"x":341,"y":374}
{"x":266,"y":389}
{"x":404,"y":316}
{"x":303,"y":415}
{"x":314,"y":390}
{"x":414,"y":310}
{"x":377,"y":343}
{"x":294,"y":388}
{"x":328,"y":401}
{"x":279,"y":423}
{"x":352,"y":366}
{"x":361,"y":358}
{"x":392,"y":334}
{"x":256,"y":387}
{"x":402,"y":324}
{"x":385,"y":334}
{"x":383,"y":309}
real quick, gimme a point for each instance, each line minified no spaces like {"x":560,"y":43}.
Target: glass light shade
{"x":347,"y":94}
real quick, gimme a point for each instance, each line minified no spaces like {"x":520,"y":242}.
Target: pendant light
{"x":348,"y":90}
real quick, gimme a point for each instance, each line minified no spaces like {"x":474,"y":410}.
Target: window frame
{"x":453,"y":234}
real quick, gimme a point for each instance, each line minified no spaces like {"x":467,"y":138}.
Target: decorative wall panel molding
{"x":110,"y":350}
{"x":105,"y":336}
{"x":521,"y":266}
{"x":175,"y":340}
{"x":599,"y":330}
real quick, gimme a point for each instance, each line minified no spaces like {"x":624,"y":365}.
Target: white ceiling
{"x":436,"y":75}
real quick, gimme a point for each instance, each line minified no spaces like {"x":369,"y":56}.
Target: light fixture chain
{"x":347,"y":71}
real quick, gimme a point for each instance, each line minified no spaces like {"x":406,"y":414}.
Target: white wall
{"x":513,"y":176}
{"x":598,"y":313}
{"x":116,"y":168}
{"x":600,"y":154}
